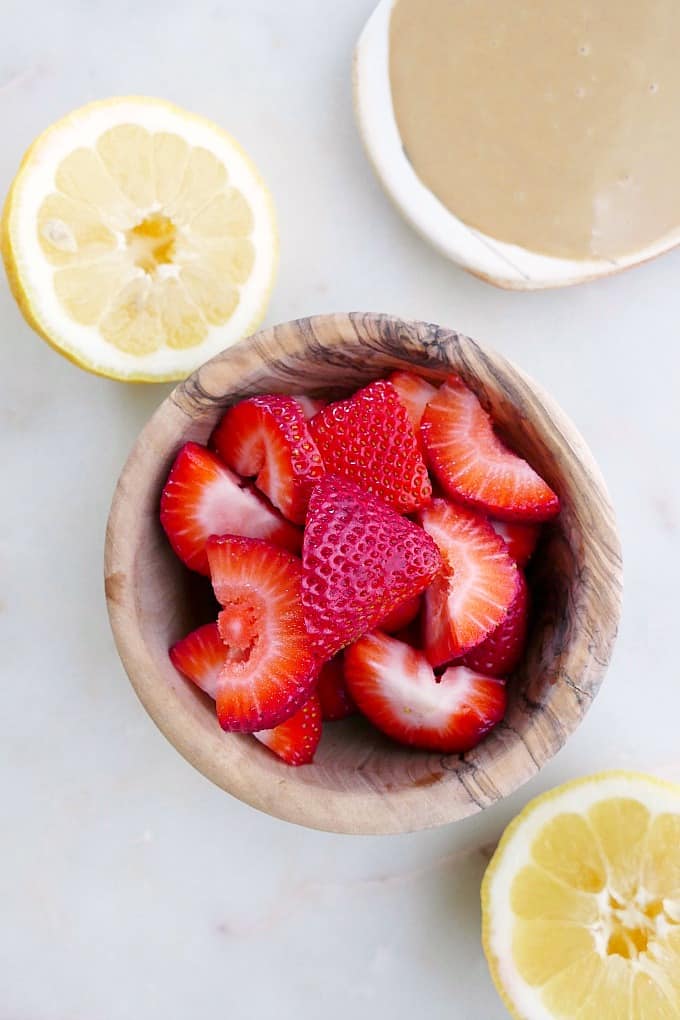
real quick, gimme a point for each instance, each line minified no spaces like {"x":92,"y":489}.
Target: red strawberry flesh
{"x":334,"y":697}
{"x":474,"y":591}
{"x":200,"y":656}
{"x":267,"y":438}
{"x":202,"y":498}
{"x":369,"y":439}
{"x":474,"y":466}
{"x":501,"y":652}
{"x":269,"y":670}
{"x":310,"y":405}
{"x":360,"y":561}
{"x":411,"y":635}
{"x":521,"y":539}
{"x":415,"y":394}
{"x":402,"y":616}
{"x":295,"y":740}
{"x":395,"y":687}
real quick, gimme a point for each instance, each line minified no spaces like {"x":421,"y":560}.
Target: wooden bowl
{"x":360,"y":781}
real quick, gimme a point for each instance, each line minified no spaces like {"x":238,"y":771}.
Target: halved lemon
{"x":581,"y":903}
{"x":139,"y":239}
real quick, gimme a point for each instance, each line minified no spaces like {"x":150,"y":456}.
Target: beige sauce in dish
{"x":549,"y":124}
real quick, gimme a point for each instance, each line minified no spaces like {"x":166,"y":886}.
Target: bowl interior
{"x":360,"y":781}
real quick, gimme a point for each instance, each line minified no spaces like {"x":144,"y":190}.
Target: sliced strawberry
{"x":310,"y":405}
{"x":402,"y":616}
{"x":477,"y":586}
{"x":370,"y":440}
{"x":500,"y":653}
{"x":332,"y":690}
{"x":267,"y":438}
{"x":411,"y":635}
{"x":415,"y":394}
{"x":474,"y":466}
{"x":395,"y":687}
{"x":521,"y":539}
{"x":270,"y":670}
{"x":360,"y":560}
{"x":203,"y":498}
{"x":200,"y":656}
{"x":295,"y":740}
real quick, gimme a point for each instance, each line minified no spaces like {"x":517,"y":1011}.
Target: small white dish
{"x":502,"y":264}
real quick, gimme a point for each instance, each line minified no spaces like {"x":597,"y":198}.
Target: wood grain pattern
{"x":360,"y":782}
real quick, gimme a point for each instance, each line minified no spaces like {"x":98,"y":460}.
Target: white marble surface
{"x":129,"y":886}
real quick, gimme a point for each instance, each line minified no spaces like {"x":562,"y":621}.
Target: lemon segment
{"x":581,"y":903}
{"x":139,"y":239}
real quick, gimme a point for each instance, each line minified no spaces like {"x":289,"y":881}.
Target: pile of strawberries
{"x":351,"y":577}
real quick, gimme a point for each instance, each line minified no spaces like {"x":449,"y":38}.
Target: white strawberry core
{"x":408,"y":682}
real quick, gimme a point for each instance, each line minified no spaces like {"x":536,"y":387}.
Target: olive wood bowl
{"x":360,"y":782}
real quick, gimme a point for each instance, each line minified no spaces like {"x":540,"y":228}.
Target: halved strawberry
{"x":370,"y":440}
{"x":402,"y":616}
{"x":267,"y":438}
{"x":360,"y":560}
{"x":395,"y":687}
{"x":521,"y":539}
{"x":270,"y":670}
{"x":295,"y":740}
{"x":203,"y":498}
{"x":415,"y":394}
{"x":474,"y":591}
{"x":474,"y":466}
{"x":336,"y":702}
{"x":411,"y":635}
{"x":310,"y":405}
{"x":500,"y":653}
{"x":200,"y":656}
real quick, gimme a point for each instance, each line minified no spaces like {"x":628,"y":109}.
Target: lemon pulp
{"x":582,"y":903}
{"x":150,"y":239}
